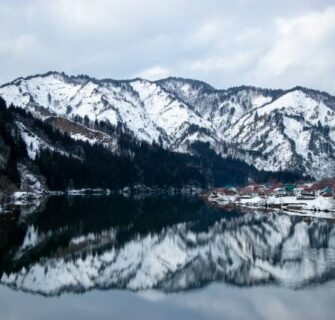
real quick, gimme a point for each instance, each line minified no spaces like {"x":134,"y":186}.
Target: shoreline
{"x":320,"y":207}
{"x":19,"y":199}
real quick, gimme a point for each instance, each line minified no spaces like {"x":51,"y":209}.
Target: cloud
{"x":227,"y":63}
{"x":278,"y":44}
{"x":301,"y":40}
{"x":303,"y":47}
{"x":154,"y":73}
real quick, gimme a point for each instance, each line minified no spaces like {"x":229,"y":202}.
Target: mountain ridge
{"x":263,"y":127}
{"x":186,"y":79}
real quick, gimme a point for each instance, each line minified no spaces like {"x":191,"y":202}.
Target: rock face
{"x":273,"y":130}
{"x":253,"y":249}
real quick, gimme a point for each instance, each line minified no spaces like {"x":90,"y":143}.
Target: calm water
{"x":163,"y":258}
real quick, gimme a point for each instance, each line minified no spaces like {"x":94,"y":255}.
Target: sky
{"x":272,"y":44}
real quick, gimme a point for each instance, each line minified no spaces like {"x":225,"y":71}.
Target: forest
{"x":85,"y":165}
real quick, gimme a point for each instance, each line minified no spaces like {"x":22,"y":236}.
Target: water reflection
{"x":167,"y":243}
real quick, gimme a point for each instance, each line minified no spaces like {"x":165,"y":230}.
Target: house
{"x":272,"y":189}
{"x":250,"y":191}
{"x":254,"y":190}
{"x":246,"y":193}
{"x":231,"y":191}
{"x":319,"y":186}
{"x":290,"y":189}
{"x":298,"y":191}
{"x":220,"y":190}
{"x":308,"y":193}
{"x":279,"y":192}
{"x":262,"y":192}
{"x":327,"y":192}
{"x":249,"y":188}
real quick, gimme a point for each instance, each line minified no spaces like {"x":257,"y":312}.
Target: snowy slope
{"x":294,"y":131}
{"x":273,"y":130}
{"x":250,"y":250}
{"x":222,"y":107}
{"x":35,"y":143}
{"x":147,"y":110}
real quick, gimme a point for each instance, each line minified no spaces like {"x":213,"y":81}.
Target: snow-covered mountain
{"x":271,"y":129}
{"x":144,"y":107}
{"x":274,"y":130}
{"x":252,"y":249}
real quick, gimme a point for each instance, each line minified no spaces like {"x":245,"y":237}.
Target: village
{"x":315,"y":199}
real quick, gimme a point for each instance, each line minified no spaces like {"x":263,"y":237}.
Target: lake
{"x":163,"y":257}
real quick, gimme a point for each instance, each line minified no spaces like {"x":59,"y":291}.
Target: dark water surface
{"x":163,"y":257}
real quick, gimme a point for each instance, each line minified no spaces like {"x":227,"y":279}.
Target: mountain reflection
{"x":166,"y":243}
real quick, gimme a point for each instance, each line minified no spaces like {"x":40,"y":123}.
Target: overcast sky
{"x":226,"y":43}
